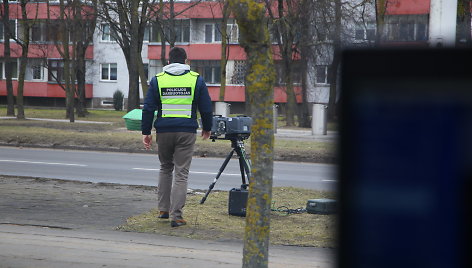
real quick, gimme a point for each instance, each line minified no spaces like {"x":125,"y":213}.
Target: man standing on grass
{"x":176,"y":94}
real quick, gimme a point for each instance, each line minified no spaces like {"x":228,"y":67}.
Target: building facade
{"x":198,"y":32}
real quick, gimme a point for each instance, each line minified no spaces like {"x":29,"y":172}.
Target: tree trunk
{"x":260,"y":77}
{"x":133,"y":73}
{"x":135,"y":54}
{"x":161,"y":25}
{"x":291,"y":99}
{"x":7,"y":57}
{"x":463,"y":33}
{"x":332,"y":77}
{"x":333,"y":71}
{"x":380,"y":10}
{"x":304,"y":114}
{"x":286,"y":42}
{"x":305,"y":53}
{"x":224,"y":51}
{"x":21,"y":82}
{"x":64,"y":39}
{"x":24,"y":43}
{"x":142,"y":76}
{"x":80,"y":74}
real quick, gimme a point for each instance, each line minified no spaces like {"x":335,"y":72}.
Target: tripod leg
{"x":244,"y":163}
{"x":241,"y":168}
{"x":223,"y":166}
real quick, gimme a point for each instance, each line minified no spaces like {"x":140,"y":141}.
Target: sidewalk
{"x":52,"y":223}
{"x":299,"y":134}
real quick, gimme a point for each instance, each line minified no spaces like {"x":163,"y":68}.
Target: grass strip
{"x":211,"y":220}
{"x":116,"y":137}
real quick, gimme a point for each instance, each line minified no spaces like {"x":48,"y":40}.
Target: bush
{"x":118,"y":100}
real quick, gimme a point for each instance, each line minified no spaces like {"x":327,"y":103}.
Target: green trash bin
{"x":133,"y":119}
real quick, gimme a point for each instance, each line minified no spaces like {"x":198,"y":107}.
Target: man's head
{"x":177,"y":55}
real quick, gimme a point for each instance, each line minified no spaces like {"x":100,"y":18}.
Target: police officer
{"x":176,"y":94}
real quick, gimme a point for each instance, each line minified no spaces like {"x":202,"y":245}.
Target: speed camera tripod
{"x":237,"y":143}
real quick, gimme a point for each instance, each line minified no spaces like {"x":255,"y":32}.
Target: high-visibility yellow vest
{"x":177,"y":94}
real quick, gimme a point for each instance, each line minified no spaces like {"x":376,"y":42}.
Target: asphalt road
{"x":142,"y":169}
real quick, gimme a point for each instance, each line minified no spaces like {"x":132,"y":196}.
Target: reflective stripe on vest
{"x":177,"y":94}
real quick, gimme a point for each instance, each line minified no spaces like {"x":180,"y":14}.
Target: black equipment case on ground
{"x":321,"y":206}
{"x":237,"y":202}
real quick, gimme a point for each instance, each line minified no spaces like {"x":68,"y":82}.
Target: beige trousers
{"x":175,"y":150}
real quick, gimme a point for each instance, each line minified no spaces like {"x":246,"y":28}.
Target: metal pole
{"x":319,"y":120}
{"x":276,"y":115}
{"x":222,"y":108}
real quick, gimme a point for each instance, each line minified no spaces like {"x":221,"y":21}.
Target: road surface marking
{"x":214,"y":173}
{"x":148,"y":169}
{"x":194,"y":172}
{"x":329,"y":180}
{"x":42,"y":163}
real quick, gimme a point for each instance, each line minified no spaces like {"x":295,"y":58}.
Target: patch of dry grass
{"x":93,"y":115}
{"x":103,"y":137}
{"x":115,"y":136}
{"x":211,"y":220}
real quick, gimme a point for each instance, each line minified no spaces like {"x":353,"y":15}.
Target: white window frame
{"x":230,"y":29}
{"x":31,"y":67}
{"x":238,"y":73}
{"x":208,"y":69}
{"x":102,"y":65}
{"x":365,"y":29}
{"x":147,"y":33}
{"x":106,"y":37}
{"x":3,"y":75}
{"x":214,"y":30}
{"x":325,"y":82}
{"x":16,"y":31}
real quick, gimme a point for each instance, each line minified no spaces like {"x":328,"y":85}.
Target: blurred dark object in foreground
{"x":406,"y":159}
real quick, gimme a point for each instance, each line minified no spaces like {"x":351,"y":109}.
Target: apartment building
{"x":198,"y":32}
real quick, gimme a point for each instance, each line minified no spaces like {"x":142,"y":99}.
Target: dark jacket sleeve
{"x":150,"y":105}
{"x":204,"y":105}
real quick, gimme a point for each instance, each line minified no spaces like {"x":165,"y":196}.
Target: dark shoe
{"x":163,"y":215}
{"x":177,"y":223}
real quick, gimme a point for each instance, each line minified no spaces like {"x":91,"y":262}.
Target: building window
{"x":107,"y":34}
{"x":154,"y":33}
{"x":239,"y":72}
{"x":146,"y":70}
{"x":108,"y":71}
{"x":365,"y":32}
{"x":12,"y":29}
{"x":324,"y":33}
{"x":53,"y":31}
{"x":55,"y":71}
{"x":210,"y":70}
{"x":280,"y":71}
{"x":34,"y":69}
{"x":407,"y":28}
{"x":212,"y":33}
{"x":181,"y":32}
{"x":147,"y":33}
{"x":321,"y":72}
{"x":232,"y":33}
{"x":13,"y":67}
{"x":37,"y":72}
